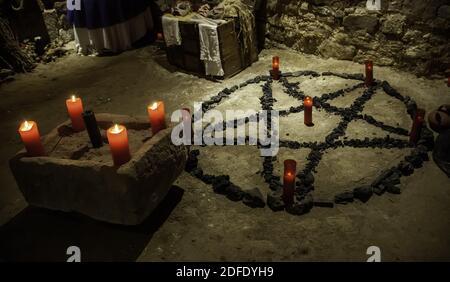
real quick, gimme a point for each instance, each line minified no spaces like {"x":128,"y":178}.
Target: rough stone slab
{"x":124,"y":195}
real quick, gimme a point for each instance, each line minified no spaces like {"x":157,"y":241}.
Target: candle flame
{"x":154,"y":106}
{"x":26,"y":126}
{"x":116,"y":129}
{"x":73,"y":98}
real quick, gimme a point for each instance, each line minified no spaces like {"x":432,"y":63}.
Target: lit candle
{"x":276,"y":63}
{"x":290,"y":167}
{"x":369,"y":73}
{"x":276,"y":68}
{"x":418,"y":121}
{"x":118,"y":144}
{"x":29,"y":133}
{"x":156,"y":114}
{"x":75,"y":110}
{"x":308,"y":105}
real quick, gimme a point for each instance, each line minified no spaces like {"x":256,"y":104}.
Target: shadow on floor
{"x":38,"y":234}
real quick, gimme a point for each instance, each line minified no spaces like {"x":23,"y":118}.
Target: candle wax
{"x":308,"y":105}
{"x":289,"y":181}
{"x":276,"y":63}
{"x":75,"y":110}
{"x":369,"y":73}
{"x":29,"y":133}
{"x":118,"y":144}
{"x":156,"y":115}
{"x":417,"y":126}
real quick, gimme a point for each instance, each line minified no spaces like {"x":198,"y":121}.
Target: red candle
{"x":156,"y":114}
{"x":276,"y":63}
{"x":75,"y":110}
{"x":308,"y":105}
{"x":29,"y":133}
{"x":290,"y":167}
{"x":118,"y":144}
{"x":418,"y":121}
{"x":276,"y":68}
{"x":369,"y":73}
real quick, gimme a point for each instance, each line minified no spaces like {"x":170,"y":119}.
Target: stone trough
{"x":76,"y":177}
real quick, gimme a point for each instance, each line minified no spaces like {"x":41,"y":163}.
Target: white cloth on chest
{"x":210,"y":49}
{"x":171,"y":30}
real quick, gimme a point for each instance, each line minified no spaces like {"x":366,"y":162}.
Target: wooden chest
{"x":187,"y":55}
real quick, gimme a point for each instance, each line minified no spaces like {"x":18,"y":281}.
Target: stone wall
{"x":408,"y":34}
{"x":55,"y":17}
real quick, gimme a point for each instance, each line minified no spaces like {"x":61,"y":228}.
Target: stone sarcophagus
{"x":76,"y":177}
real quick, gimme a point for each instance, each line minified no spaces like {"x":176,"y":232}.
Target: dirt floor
{"x":194,"y":223}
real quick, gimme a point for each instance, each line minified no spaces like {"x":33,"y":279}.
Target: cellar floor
{"x":194,"y":223}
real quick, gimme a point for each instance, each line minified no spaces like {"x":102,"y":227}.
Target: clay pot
{"x":440,"y":120}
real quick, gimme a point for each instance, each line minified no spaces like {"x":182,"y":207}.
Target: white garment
{"x":171,"y":30}
{"x":210,"y":49}
{"x":114,"y":38}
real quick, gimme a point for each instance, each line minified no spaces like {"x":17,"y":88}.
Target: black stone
{"x":308,"y":179}
{"x":363,"y":193}
{"x":227,"y":91}
{"x":344,"y":198}
{"x":234,"y":193}
{"x":393,"y":179}
{"x":275,"y":185}
{"x":385,"y":174}
{"x":301,"y":207}
{"x":208,"y":179}
{"x":197,"y":172}
{"x":191,"y":163}
{"x":411,"y":107}
{"x":391,"y":91}
{"x":221,"y":184}
{"x":393,"y":189}
{"x":415,"y":160}
{"x":275,"y":201}
{"x":323,"y":203}
{"x":422,"y":152}
{"x":253,"y":198}
{"x":406,"y":168}
{"x":426,"y":138}
{"x":379,"y":190}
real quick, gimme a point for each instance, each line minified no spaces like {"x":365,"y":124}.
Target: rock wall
{"x":408,"y":34}
{"x":55,"y":17}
